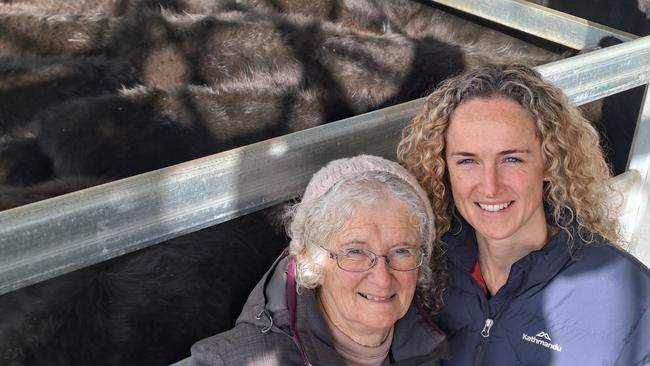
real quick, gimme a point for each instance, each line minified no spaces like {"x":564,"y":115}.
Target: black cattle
{"x":113,"y":8}
{"x":31,"y":30}
{"x":22,"y":162}
{"x":211,"y":49}
{"x":272,"y":74}
{"x":619,"y":111}
{"x":143,"y":308}
{"x":361,"y":68}
{"x":283,"y":76}
{"x":59,"y":27}
{"x":38,"y":27}
{"x":29,"y":84}
{"x":422,"y":20}
{"x":115,"y":136}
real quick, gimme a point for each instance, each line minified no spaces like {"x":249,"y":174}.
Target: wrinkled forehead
{"x":390,"y":219}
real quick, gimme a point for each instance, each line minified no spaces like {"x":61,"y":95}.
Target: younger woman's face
{"x":496,"y":169}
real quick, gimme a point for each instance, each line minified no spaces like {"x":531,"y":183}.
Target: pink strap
{"x":291,"y":303}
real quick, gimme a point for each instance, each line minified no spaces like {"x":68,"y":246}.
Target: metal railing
{"x":530,"y":18}
{"x":55,"y":236}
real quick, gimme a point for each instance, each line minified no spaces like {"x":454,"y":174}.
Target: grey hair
{"x":314,"y":222}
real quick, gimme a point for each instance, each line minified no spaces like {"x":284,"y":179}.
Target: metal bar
{"x":609,"y":71}
{"x":639,"y":226}
{"x":555,"y":26}
{"x":55,"y":236}
{"x":58,"y":235}
{"x":628,"y":184}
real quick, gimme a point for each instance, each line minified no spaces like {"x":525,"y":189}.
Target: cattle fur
{"x":115,"y":136}
{"x":208,"y":50}
{"x":23,"y":31}
{"x":22,"y":162}
{"x":111,"y":8}
{"x":143,"y":308}
{"x":30,"y":84}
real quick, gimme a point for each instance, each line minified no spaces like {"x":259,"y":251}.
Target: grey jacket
{"x":263,"y":336}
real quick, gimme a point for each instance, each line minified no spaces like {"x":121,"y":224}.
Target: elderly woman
{"x":343,"y":295}
{"x":520,"y":193}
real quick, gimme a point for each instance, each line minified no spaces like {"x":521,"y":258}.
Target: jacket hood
{"x":266,"y":306}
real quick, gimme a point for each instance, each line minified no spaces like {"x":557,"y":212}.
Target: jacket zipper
{"x":489,"y":322}
{"x":486,"y":328}
{"x":485,"y":332}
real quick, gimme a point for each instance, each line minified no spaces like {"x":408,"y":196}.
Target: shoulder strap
{"x":292,"y":299}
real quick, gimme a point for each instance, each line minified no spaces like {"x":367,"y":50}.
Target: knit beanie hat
{"x":341,"y":169}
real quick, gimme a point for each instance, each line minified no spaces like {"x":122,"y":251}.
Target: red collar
{"x":478,"y":277}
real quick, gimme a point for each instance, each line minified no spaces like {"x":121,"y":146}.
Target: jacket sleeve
{"x":246,"y":345}
{"x":206,"y":354}
{"x":636,"y":350}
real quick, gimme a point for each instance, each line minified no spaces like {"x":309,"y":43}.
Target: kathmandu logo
{"x":543,"y":339}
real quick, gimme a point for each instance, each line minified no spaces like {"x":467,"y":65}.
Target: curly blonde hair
{"x":577,"y":191}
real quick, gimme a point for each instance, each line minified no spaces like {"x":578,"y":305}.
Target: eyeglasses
{"x":361,"y":260}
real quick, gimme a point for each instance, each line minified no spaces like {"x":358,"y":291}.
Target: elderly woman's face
{"x":364,"y":303}
{"x":496,"y":169}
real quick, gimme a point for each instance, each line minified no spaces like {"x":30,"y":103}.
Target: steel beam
{"x":639,"y":222}
{"x":58,"y":235}
{"x":546,"y":23}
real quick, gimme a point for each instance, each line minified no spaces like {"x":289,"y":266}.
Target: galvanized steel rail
{"x":638,"y":223}
{"x":58,"y":235}
{"x":539,"y":21}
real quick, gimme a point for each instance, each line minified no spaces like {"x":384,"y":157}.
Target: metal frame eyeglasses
{"x":360,"y":260}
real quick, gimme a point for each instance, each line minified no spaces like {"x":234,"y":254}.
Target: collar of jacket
{"x":413,"y":338}
{"x":536,"y":267}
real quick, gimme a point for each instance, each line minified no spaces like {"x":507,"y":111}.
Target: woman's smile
{"x":494,"y":207}
{"x":496,"y":169}
{"x":378,"y":299}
